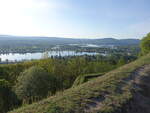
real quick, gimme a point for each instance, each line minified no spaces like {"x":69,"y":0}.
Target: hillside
{"x":7,"y":40}
{"x":124,"y":90}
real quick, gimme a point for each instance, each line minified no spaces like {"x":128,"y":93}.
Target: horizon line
{"x":64,"y":37}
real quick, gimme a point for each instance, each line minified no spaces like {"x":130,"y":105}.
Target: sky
{"x":75,"y":18}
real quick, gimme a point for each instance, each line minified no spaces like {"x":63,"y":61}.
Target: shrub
{"x":8,"y":99}
{"x":34,"y":84}
{"x":145,"y":45}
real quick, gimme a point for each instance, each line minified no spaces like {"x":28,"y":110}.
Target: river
{"x":39,"y":55}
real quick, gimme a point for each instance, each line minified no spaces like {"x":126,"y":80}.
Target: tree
{"x":145,"y":45}
{"x":121,"y":61}
{"x":8,"y":99}
{"x":34,"y":84}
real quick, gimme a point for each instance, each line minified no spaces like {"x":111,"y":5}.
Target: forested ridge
{"x":22,"y":44}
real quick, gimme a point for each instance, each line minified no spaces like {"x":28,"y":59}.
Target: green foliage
{"x":66,"y":70}
{"x":34,"y":84}
{"x":84,"y":78}
{"x":121,"y":61}
{"x":8,"y":99}
{"x":112,"y":90}
{"x":145,"y":44}
{"x":60,"y":74}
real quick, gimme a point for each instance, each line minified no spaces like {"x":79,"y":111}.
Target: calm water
{"x":29,"y":56}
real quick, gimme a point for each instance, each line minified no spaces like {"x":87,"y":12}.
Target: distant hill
{"x":33,"y":40}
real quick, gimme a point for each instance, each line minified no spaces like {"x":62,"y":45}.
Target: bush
{"x":34,"y":84}
{"x":145,"y":45}
{"x":8,"y":99}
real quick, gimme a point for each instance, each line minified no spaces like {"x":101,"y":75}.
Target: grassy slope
{"x":111,"y":90}
{"x":84,"y":78}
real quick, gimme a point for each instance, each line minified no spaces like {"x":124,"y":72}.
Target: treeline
{"x":130,"y":49}
{"x":31,"y":81}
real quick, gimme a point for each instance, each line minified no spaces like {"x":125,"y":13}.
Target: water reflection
{"x":39,"y":55}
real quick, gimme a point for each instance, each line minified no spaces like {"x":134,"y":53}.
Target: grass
{"x":84,"y":78}
{"x":110,"y":89}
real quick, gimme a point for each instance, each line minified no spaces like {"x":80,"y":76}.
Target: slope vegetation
{"x":84,"y":78}
{"x":124,"y":90}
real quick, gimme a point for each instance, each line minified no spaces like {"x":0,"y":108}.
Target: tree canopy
{"x":145,"y":44}
{"x":34,"y":84}
{"x":8,"y":99}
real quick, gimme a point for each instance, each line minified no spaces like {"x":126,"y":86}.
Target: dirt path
{"x":140,"y":79}
{"x":141,"y":96}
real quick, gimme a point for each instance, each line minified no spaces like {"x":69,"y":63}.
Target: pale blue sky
{"x":75,"y":18}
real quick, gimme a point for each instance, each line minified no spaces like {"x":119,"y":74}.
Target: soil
{"x":140,"y":80}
